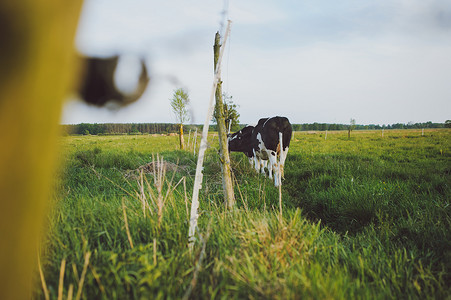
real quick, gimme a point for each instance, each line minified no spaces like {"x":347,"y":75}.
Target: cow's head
{"x":241,"y":140}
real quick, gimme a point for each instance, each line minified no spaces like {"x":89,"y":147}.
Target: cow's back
{"x":286,"y":130}
{"x":269,"y":129}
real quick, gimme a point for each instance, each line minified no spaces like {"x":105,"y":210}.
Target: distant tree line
{"x":326,"y":126}
{"x":121,"y":128}
{"x":165,"y":128}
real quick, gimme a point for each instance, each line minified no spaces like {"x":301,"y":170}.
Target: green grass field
{"x":367,"y":217}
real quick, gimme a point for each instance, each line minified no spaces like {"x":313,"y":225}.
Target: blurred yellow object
{"x":37,"y":65}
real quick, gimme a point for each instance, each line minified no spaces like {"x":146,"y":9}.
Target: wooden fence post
{"x":229,"y":196}
{"x":200,"y":159}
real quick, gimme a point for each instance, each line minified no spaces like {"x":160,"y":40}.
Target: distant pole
{"x":182,"y":140}
{"x":195,"y":141}
{"x":422,"y":131}
{"x":325,"y":138}
{"x":382,"y":132}
{"x":189,"y":138}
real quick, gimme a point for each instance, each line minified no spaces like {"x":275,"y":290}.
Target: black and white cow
{"x":267,"y":142}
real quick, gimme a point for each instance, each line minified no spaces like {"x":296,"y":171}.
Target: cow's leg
{"x":256,"y":163}
{"x":251,"y":161}
{"x":264,"y":164}
{"x":274,"y":165}
{"x":259,"y":162}
{"x":270,"y":168}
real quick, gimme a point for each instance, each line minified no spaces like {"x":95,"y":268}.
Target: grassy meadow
{"x":363,"y":218}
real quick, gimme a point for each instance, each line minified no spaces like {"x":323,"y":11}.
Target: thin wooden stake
{"x":199,"y":263}
{"x":61,"y":281}
{"x":189,"y":138}
{"x":280,"y":199}
{"x":195,"y":141}
{"x":127,"y":230}
{"x":70,"y":293}
{"x":154,"y":251}
{"x":82,"y":278}
{"x":203,"y":147}
{"x":75,"y":271}
{"x":97,"y":278}
{"x":186,"y":198}
{"x":44,"y":284}
{"x":142,"y":197}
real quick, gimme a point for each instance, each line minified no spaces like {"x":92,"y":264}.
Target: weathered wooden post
{"x":202,"y":148}
{"x":229,"y":196}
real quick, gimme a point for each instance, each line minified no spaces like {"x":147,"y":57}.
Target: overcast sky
{"x":376,"y":61}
